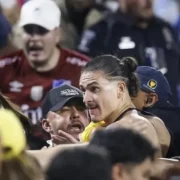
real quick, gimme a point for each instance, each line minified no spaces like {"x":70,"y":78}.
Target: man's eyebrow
{"x":90,"y":84}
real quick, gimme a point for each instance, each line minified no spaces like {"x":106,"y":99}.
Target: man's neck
{"x":114,"y":115}
{"x":143,"y":24}
{"x":51,"y":63}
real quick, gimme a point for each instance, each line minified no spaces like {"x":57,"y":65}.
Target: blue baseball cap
{"x":153,"y":81}
{"x":56,"y":98}
{"x":5,"y":30}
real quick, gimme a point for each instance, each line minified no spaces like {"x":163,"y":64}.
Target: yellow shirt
{"x":86,"y":134}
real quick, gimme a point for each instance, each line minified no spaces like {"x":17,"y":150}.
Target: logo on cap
{"x":69,"y":92}
{"x":152,"y":84}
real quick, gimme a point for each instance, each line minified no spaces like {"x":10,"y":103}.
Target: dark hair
{"x":115,"y":67}
{"x":80,"y":163}
{"x":33,"y":141}
{"x":8,"y":104}
{"x":124,"y":145}
{"x":22,"y":167}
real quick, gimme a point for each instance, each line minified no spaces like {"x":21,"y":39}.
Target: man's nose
{"x":74,"y":113}
{"x":35,"y":37}
{"x":87,"y":97}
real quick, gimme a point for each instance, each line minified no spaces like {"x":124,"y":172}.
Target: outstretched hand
{"x":63,"y":138}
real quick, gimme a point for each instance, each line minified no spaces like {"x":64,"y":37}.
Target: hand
{"x":63,"y":138}
{"x":45,"y":147}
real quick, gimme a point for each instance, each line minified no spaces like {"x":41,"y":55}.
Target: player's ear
{"x":151,"y":100}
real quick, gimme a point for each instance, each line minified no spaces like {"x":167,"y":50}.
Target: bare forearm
{"x":45,"y":156}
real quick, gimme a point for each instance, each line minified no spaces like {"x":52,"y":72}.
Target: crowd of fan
{"x":89,"y":90}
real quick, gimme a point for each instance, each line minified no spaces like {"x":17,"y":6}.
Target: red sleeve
{"x":77,"y":54}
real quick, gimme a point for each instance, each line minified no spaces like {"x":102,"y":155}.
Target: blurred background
{"x":168,"y":10}
{"x":11,"y":34}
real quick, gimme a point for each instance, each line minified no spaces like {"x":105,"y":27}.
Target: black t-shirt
{"x":35,"y":143}
{"x":171,"y":118}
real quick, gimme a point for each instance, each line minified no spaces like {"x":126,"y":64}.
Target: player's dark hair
{"x":116,"y":68}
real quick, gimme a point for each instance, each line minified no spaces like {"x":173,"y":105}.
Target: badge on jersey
{"x":16,"y":86}
{"x":36,"y":93}
{"x":126,"y":43}
{"x":57,"y":83}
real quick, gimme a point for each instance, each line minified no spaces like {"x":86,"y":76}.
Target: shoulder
{"x":130,"y":120}
{"x":157,"y":123}
{"x":135,"y":116}
{"x":159,"y":126}
{"x":167,"y":29}
{"x":74,"y":58}
{"x":162,"y":132}
{"x":152,"y":118}
{"x":139,"y":124}
{"x":156,"y":120}
{"x":10,"y":59}
{"x":72,"y":53}
{"x":161,"y":22}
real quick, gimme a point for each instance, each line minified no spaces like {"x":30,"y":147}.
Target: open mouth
{"x":34,"y":49}
{"x":92,"y":106}
{"x":93,"y":109}
{"x":76,"y":127}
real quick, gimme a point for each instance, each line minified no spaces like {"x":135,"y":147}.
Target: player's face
{"x":72,"y":118}
{"x":100,"y":95}
{"x":39,"y":44}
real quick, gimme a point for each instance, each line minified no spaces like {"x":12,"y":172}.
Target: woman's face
{"x":100,"y":94}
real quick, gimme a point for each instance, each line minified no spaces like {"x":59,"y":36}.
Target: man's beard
{"x":137,"y":17}
{"x":141,"y":19}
